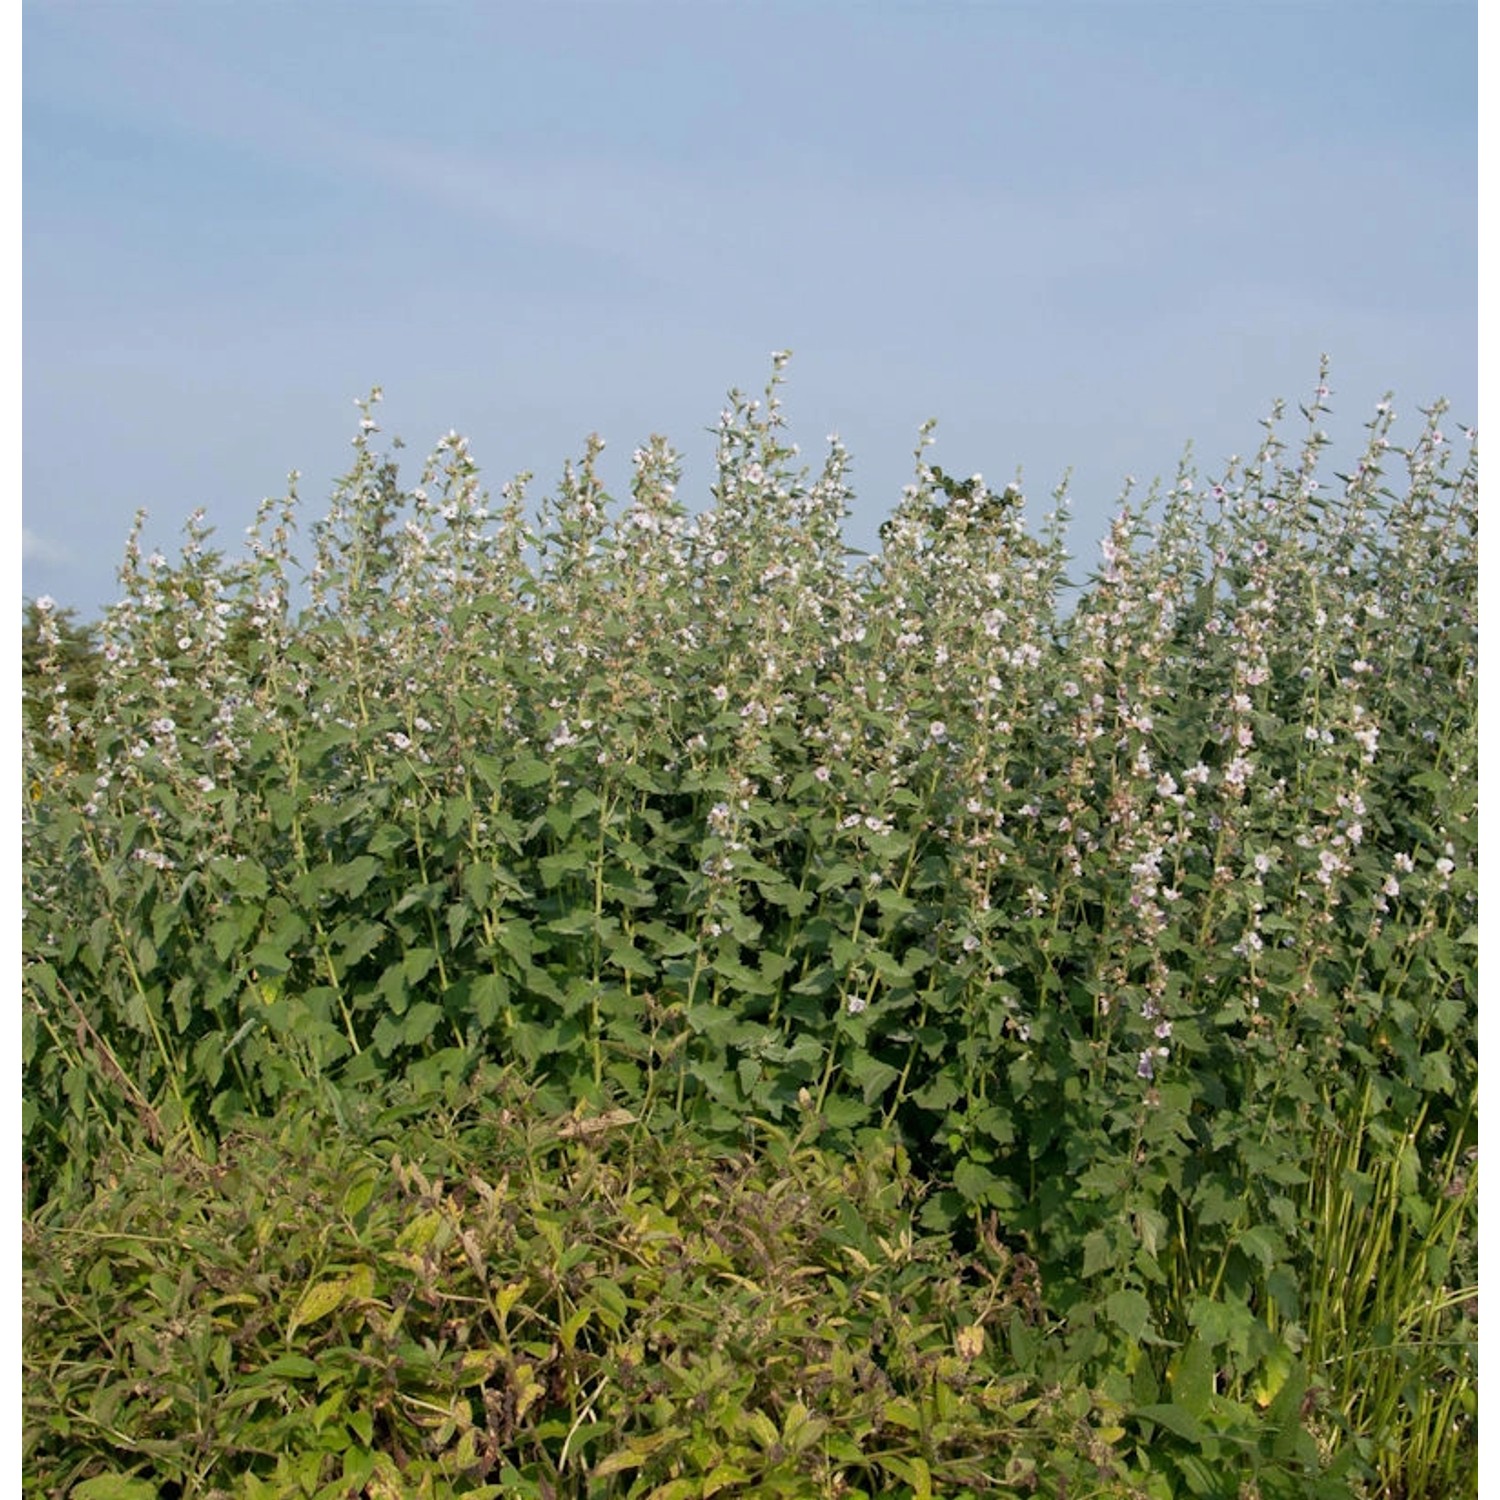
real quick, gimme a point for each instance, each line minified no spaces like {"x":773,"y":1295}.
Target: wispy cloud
{"x":1218,"y":216}
{"x":40,"y":549}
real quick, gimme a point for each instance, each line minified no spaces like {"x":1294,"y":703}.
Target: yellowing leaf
{"x":1274,"y":1370}
{"x":114,"y":1487}
{"x":421,"y":1232}
{"x":902,"y":1414}
{"x":762,"y":1428}
{"x":637,"y":1451}
{"x":327,"y":1296}
{"x":505,"y":1298}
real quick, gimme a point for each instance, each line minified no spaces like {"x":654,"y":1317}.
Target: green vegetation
{"x":629,"y":1004}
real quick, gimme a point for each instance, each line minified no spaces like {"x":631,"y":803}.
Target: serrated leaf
{"x":488,"y":994}
{"x":554,"y":867}
{"x":976,"y":1183}
{"x":872,"y":1075}
{"x":1191,"y":1375}
{"x":901,"y":1413}
{"x":420,"y":1022}
{"x":529,"y":772}
{"x":1175,"y":1419}
{"x":1129,"y":1311}
{"x":1263,"y":1243}
{"x":1098,"y":1252}
{"x":938,"y":1094}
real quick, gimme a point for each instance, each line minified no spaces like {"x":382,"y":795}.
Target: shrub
{"x":478,"y":1297}
{"x":1147,"y":928}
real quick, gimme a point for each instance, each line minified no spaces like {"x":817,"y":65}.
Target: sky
{"x":1079,"y":235}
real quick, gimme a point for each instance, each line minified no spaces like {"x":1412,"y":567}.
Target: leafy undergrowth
{"x":546,"y":1306}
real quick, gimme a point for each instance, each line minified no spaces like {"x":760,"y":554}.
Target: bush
{"x":482,"y":1298}
{"x":1146,"y":928}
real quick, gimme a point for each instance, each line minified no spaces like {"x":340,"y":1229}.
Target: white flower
{"x":1237,"y":772}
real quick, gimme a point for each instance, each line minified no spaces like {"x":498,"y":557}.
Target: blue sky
{"x":1079,"y":235}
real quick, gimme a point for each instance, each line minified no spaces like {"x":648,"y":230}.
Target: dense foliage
{"x":1144,"y":928}
{"x":478,"y":1298}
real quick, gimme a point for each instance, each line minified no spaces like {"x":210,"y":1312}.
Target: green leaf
{"x":421,"y":1021}
{"x":1192,"y":1376}
{"x":353,"y":940}
{"x":555,"y":867}
{"x":1098,"y":1252}
{"x":113,"y":1487}
{"x":873,"y":1076}
{"x":488,"y":994}
{"x":1175,"y":1419}
{"x":938,"y":1094}
{"x":1262,"y":1243}
{"x":529,"y":772}
{"x":1129,"y":1311}
{"x":351,"y":877}
{"x":977,"y":1184}
{"x":245,"y":875}
{"x":844,"y":1113}
{"x":1223,"y":1324}
{"x":912,"y":1471}
{"x":417,"y":963}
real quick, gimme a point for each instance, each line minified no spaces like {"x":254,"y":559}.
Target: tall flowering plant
{"x":1142,"y":913}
